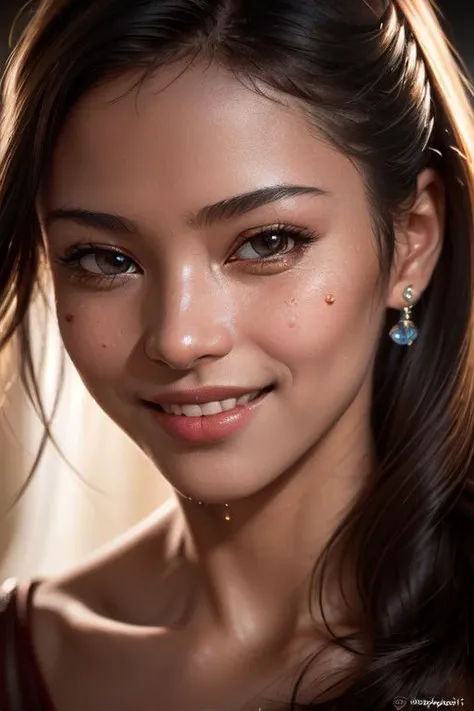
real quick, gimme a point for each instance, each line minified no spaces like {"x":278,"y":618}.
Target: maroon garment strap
{"x":10,"y":697}
{"x":26,"y":688}
{"x":25,"y":593}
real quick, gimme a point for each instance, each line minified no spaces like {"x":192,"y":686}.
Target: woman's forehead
{"x":206,"y":134}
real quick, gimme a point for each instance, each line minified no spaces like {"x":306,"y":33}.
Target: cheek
{"x":95,"y":340}
{"x":328,"y":317}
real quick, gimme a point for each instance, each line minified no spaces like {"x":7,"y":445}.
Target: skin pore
{"x":201,"y":299}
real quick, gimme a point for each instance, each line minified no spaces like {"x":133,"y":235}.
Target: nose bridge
{"x":190,"y":316}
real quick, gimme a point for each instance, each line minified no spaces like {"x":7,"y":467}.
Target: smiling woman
{"x":258,"y":221}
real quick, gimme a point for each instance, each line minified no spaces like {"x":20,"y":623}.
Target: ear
{"x":419,"y":239}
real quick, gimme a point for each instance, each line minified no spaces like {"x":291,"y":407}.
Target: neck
{"x":261,"y":561}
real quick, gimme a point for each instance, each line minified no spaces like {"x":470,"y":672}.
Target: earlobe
{"x":419,"y":238}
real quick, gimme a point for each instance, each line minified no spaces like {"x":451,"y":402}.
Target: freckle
{"x":69,"y":317}
{"x":104,"y":345}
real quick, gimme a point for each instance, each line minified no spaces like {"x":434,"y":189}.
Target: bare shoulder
{"x":137,"y":560}
{"x":123,"y":583}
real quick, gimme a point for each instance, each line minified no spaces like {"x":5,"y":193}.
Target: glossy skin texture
{"x":200,"y":306}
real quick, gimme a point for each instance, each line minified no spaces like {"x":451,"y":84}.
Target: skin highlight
{"x":203,"y":310}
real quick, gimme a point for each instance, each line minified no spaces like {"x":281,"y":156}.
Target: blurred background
{"x":66,"y":515}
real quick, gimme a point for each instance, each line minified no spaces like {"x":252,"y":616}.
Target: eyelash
{"x":302,"y":237}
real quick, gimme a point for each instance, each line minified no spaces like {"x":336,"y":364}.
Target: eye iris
{"x":271,"y":241}
{"x":111,"y":263}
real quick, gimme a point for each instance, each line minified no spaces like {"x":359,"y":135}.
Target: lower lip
{"x":208,"y":428}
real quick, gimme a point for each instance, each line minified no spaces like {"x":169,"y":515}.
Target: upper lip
{"x":202,"y":395}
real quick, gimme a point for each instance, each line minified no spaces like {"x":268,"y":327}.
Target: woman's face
{"x":162,"y":294}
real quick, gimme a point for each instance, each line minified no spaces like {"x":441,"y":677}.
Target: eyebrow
{"x":205,"y":217}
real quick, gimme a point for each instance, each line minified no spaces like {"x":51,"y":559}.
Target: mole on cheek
{"x":69,"y":318}
{"x":292,"y":321}
{"x":104,"y":345}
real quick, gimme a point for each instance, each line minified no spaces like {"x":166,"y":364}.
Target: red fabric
{"x":16,"y":640}
{"x":26,"y":646}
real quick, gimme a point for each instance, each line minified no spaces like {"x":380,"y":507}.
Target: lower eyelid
{"x":97,"y":281}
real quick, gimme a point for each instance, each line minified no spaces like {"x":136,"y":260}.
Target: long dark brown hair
{"x":380,"y":80}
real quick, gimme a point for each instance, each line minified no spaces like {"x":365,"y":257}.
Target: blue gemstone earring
{"x":404,"y":333}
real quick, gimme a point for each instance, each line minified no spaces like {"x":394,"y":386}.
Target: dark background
{"x":458,"y":13}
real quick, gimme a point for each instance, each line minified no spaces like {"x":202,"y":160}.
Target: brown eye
{"x":107,"y":263}
{"x":266,"y":244}
{"x":99,"y":261}
{"x":274,"y":242}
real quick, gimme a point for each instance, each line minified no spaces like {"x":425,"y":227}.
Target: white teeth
{"x":191,"y":410}
{"x":244,"y":399}
{"x":209,"y":408}
{"x":228,"y":404}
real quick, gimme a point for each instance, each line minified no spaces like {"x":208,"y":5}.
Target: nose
{"x":191,"y":321}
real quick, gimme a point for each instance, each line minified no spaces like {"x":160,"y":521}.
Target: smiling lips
{"x":206,"y":401}
{"x":209,"y":420}
{"x":209,"y":408}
